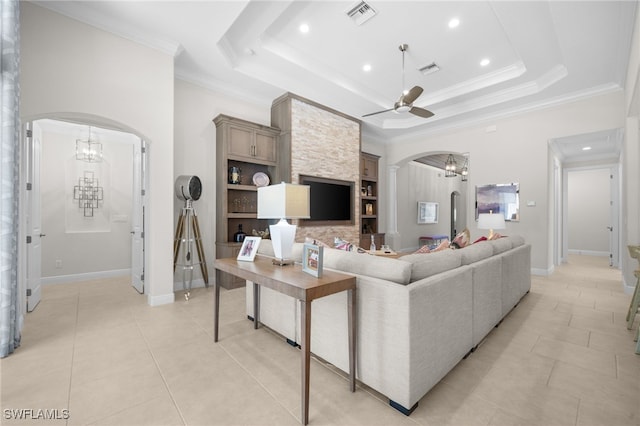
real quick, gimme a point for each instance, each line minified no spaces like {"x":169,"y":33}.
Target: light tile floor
{"x":563,"y":356}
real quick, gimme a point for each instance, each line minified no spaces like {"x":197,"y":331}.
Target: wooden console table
{"x":290,"y":280}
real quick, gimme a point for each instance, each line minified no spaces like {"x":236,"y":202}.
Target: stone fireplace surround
{"x":322,"y":143}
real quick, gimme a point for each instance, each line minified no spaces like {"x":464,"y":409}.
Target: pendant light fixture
{"x":465,"y":170}
{"x":450,"y":166}
{"x":89,"y":150}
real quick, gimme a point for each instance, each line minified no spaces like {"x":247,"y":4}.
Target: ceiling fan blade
{"x":412,"y":95}
{"x":421,"y":112}
{"x":378,"y":112}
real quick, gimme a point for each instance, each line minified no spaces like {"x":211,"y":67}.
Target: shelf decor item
{"x":234,"y":175}
{"x":312,"y":260}
{"x":260,"y":179}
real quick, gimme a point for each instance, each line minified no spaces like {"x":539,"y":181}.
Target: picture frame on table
{"x":249,"y":248}
{"x":312,"y":260}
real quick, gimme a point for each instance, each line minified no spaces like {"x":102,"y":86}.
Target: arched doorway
{"x":65,"y":137}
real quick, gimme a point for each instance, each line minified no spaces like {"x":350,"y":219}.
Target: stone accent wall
{"x":326,"y":144}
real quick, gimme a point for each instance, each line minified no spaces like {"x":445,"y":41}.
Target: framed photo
{"x":249,"y":248}
{"x":312,"y":260}
{"x":499,"y":198}
{"x":427,"y":212}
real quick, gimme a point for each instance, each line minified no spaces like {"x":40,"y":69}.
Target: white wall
{"x":589,"y":211}
{"x":195,"y":153}
{"x":107,"y":244}
{"x":517,"y":152}
{"x":72,"y":69}
{"x":425,"y":184}
{"x":631,"y":161}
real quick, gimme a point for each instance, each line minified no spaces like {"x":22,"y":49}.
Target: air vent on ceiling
{"x":429,"y":69}
{"x":361,"y":13}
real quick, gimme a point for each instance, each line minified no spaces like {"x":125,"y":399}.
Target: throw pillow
{"x":423,"y":249}
{"x":341,"y":244}
{"x":315,"y":242}
{"x":442,"y":246}
{"x":462,"y":239}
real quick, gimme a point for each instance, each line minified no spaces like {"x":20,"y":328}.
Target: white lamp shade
{"x":283,"y":201}
{"x":491,"y":221}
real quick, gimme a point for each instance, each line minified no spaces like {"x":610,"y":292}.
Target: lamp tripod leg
{"x":177,"y":239}
{"x":188,"y":213}
{"x":198,"y":239}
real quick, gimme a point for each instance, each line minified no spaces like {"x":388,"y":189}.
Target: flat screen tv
{"x":331,"y":201}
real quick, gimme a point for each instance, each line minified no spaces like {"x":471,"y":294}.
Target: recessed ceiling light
{"x":366,"y":67}
{"x":304,"y":28}
{"x":586,"y":148}
{"x":454,"y":23}
{"x":485,"y":62}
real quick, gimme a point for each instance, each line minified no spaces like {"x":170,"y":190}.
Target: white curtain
{"x":10,"y":310}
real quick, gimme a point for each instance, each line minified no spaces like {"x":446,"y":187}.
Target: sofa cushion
{"x":424,"y":265}
{"x":476,"y":252}
{"x":380,"y":267}
{"x":501,"y":245}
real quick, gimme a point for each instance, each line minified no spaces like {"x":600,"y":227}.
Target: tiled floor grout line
{"x":157,"y":365}
{"x":73,"y":352}
{"x":265,"y":388}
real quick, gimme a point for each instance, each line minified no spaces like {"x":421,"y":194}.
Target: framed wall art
{"x":499,"y":198}
{"x":427,"y":212}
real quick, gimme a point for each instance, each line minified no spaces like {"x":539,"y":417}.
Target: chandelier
{"x":88,"y":150}
{"x":450,"y":167}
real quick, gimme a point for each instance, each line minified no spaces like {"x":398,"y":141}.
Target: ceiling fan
{"x":405,"y":102}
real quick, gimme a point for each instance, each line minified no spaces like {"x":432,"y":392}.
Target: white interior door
{"x":33,"y":211}
{"x":137,"y":216}
{"x":614,"y":233}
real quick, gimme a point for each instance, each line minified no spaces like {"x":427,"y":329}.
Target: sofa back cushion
{"x":516,"y":240}
{"x":476,"y":252}
{"x":424,"y":265}
{"x":380,"y":267}
{"x":501,"y":245}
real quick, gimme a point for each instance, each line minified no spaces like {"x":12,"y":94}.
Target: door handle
{"x":610,"y":228}
{"x":43,"y":235}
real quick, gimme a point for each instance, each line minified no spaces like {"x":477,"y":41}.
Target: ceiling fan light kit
{"x":407,"y":98}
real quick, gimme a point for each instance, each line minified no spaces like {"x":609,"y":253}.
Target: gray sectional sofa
{"x":417,"y":316}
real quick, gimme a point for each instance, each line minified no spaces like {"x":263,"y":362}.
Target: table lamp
{"x":491,"y":221}
{"x":283,"y":201}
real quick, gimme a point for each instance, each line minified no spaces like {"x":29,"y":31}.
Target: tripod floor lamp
{"x":189,"y":189}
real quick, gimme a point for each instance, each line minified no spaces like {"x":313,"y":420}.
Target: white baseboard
{"x":542,"y":272}
{"x":626,"y":288}
{"x":87,"y":276}
{"x":163,"y":299}
{"x":589,"y":252}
